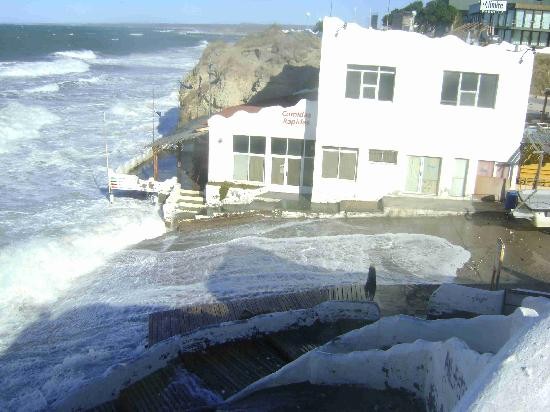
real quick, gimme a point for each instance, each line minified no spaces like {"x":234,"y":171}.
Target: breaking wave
{"x":44,"y":68}
{"x":47,"y":88}
{"x":77,"y":54}
{"x":19,"y":122}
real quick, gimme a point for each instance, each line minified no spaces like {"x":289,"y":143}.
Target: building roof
{"x":189,"y":131}
{"x":230,"y":111}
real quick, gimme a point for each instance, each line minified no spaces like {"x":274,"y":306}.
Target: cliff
{"x":260,"y":67}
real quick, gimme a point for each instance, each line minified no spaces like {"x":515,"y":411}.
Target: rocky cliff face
{"x":260,"y":67}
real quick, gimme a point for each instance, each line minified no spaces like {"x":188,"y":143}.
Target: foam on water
{"x":19,"y":123}
{"x":47,"y":88}
{"x":77,"y":54}
{"x":80,"y":336}
{"x":43,"y":68}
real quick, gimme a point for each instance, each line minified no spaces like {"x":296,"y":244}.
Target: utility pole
{"x":153,"y":148}
{"x":209,"y":87}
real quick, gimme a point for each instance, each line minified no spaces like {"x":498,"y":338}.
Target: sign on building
{"x":492,"y":6}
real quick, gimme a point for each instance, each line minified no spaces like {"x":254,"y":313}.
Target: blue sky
{"x":190,"y":11}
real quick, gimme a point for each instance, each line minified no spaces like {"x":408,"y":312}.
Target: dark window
{"x":487,"y":90}
{"x":370,"y":82}
{"x":257,"y":144}
{"x":469,"y":89}
{"x":353,"y":85}
{"x":295,"y":147}
{"x":240,"y":144}
{"x":310,"y":148}
{"x":339,"y":163}
{"x":385,"y":156}
{"x":278,"y":146}
{"x":247,"y":165}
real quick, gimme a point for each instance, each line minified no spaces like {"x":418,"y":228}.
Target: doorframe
{"x":421,"y":176}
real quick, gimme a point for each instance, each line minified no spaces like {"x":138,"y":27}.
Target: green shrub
{"x":224,"y":188}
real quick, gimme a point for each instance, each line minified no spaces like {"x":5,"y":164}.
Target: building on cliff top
{"x":398,"y":113}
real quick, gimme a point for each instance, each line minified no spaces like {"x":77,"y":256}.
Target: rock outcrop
{"x":260,"y":67}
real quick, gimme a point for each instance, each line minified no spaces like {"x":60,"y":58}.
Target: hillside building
{"x":398,"y":114}
{"x":526,"y":22}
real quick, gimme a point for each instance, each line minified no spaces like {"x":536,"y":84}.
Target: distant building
{"x":526,"y":22}
{"x":403,"y":20}
{"x":443,"y":125}
{"x":374,"y":21}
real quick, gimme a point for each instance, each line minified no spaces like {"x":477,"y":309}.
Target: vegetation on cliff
{"x":260,"y":67}
{"x":541,"y":74}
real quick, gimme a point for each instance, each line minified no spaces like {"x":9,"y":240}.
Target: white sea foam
{"x":43,"y":68}
{"x":136,"y":34}
{"x":36,"y":272}
{"x":47,"y":88}
{"x":19,"y":123}
{"x":77,"y":54}
{"x":164,"y":31}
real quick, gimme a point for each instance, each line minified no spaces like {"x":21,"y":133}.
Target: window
{"x":248,"y":158}
{"x":383,"y":156}
{"x":339,"y":163}
{"x":469,"y":89}
{"x":519,"y":18}
{"x":370,"y":82}
{"x":292,"y":161}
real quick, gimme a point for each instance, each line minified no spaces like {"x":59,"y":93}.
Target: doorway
{"x":423,"y":175}
{"x":458,"y":185}
{"x":292,"y":162}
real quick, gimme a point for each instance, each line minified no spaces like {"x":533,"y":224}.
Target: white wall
{"x":274,"y":121}
{"x":415,"y":123}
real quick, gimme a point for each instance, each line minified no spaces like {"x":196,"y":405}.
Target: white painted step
{"x":186,"y":192}
{"x":191,"y":199}
{"x":191,"y":206}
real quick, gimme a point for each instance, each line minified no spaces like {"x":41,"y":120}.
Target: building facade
{"x":398,"y":113}
{"x":401,"y":113}
{"x":526,"y":22}
{"x":273,"y":147}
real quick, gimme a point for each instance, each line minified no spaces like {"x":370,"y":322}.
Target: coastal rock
{"x":260,"y":67}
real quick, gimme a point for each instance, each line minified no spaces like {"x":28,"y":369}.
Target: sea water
{"x":78,"y":277}
{"x":57,"y":85}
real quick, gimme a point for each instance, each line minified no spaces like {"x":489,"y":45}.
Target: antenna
{"x":111,"y":197}
{"x":330,"y":8}
{"x":153,"y":115}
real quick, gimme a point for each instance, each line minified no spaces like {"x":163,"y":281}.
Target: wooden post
{"x":155,"y":164}
{"x":179,"y":167}
{"x":497,"y":265}
{"x":543,"y":112}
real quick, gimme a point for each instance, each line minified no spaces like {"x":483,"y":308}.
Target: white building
{"x":398,"y":113}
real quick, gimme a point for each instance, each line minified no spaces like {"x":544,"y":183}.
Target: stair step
{"x":188,"y":205}
{"x":191,"y":199}
{"x":186,"y":192}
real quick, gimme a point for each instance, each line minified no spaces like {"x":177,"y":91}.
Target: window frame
{"x":304,"y":156}
{"x":369,"y":69}
{"x":460,"y":92}
{"x":249,"y":155}
{"x":340,"y":151}
{"x":390,"y":154}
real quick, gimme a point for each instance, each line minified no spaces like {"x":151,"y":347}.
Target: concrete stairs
{"x":183,"y":204}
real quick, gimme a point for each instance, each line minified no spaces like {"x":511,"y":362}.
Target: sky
{"x":191,"y":11}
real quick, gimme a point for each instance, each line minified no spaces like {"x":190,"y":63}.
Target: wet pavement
{"x":527,"y":253}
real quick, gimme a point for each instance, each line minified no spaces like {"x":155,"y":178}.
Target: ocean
{"x":56,"y":83}
{"x":78,"y":276}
